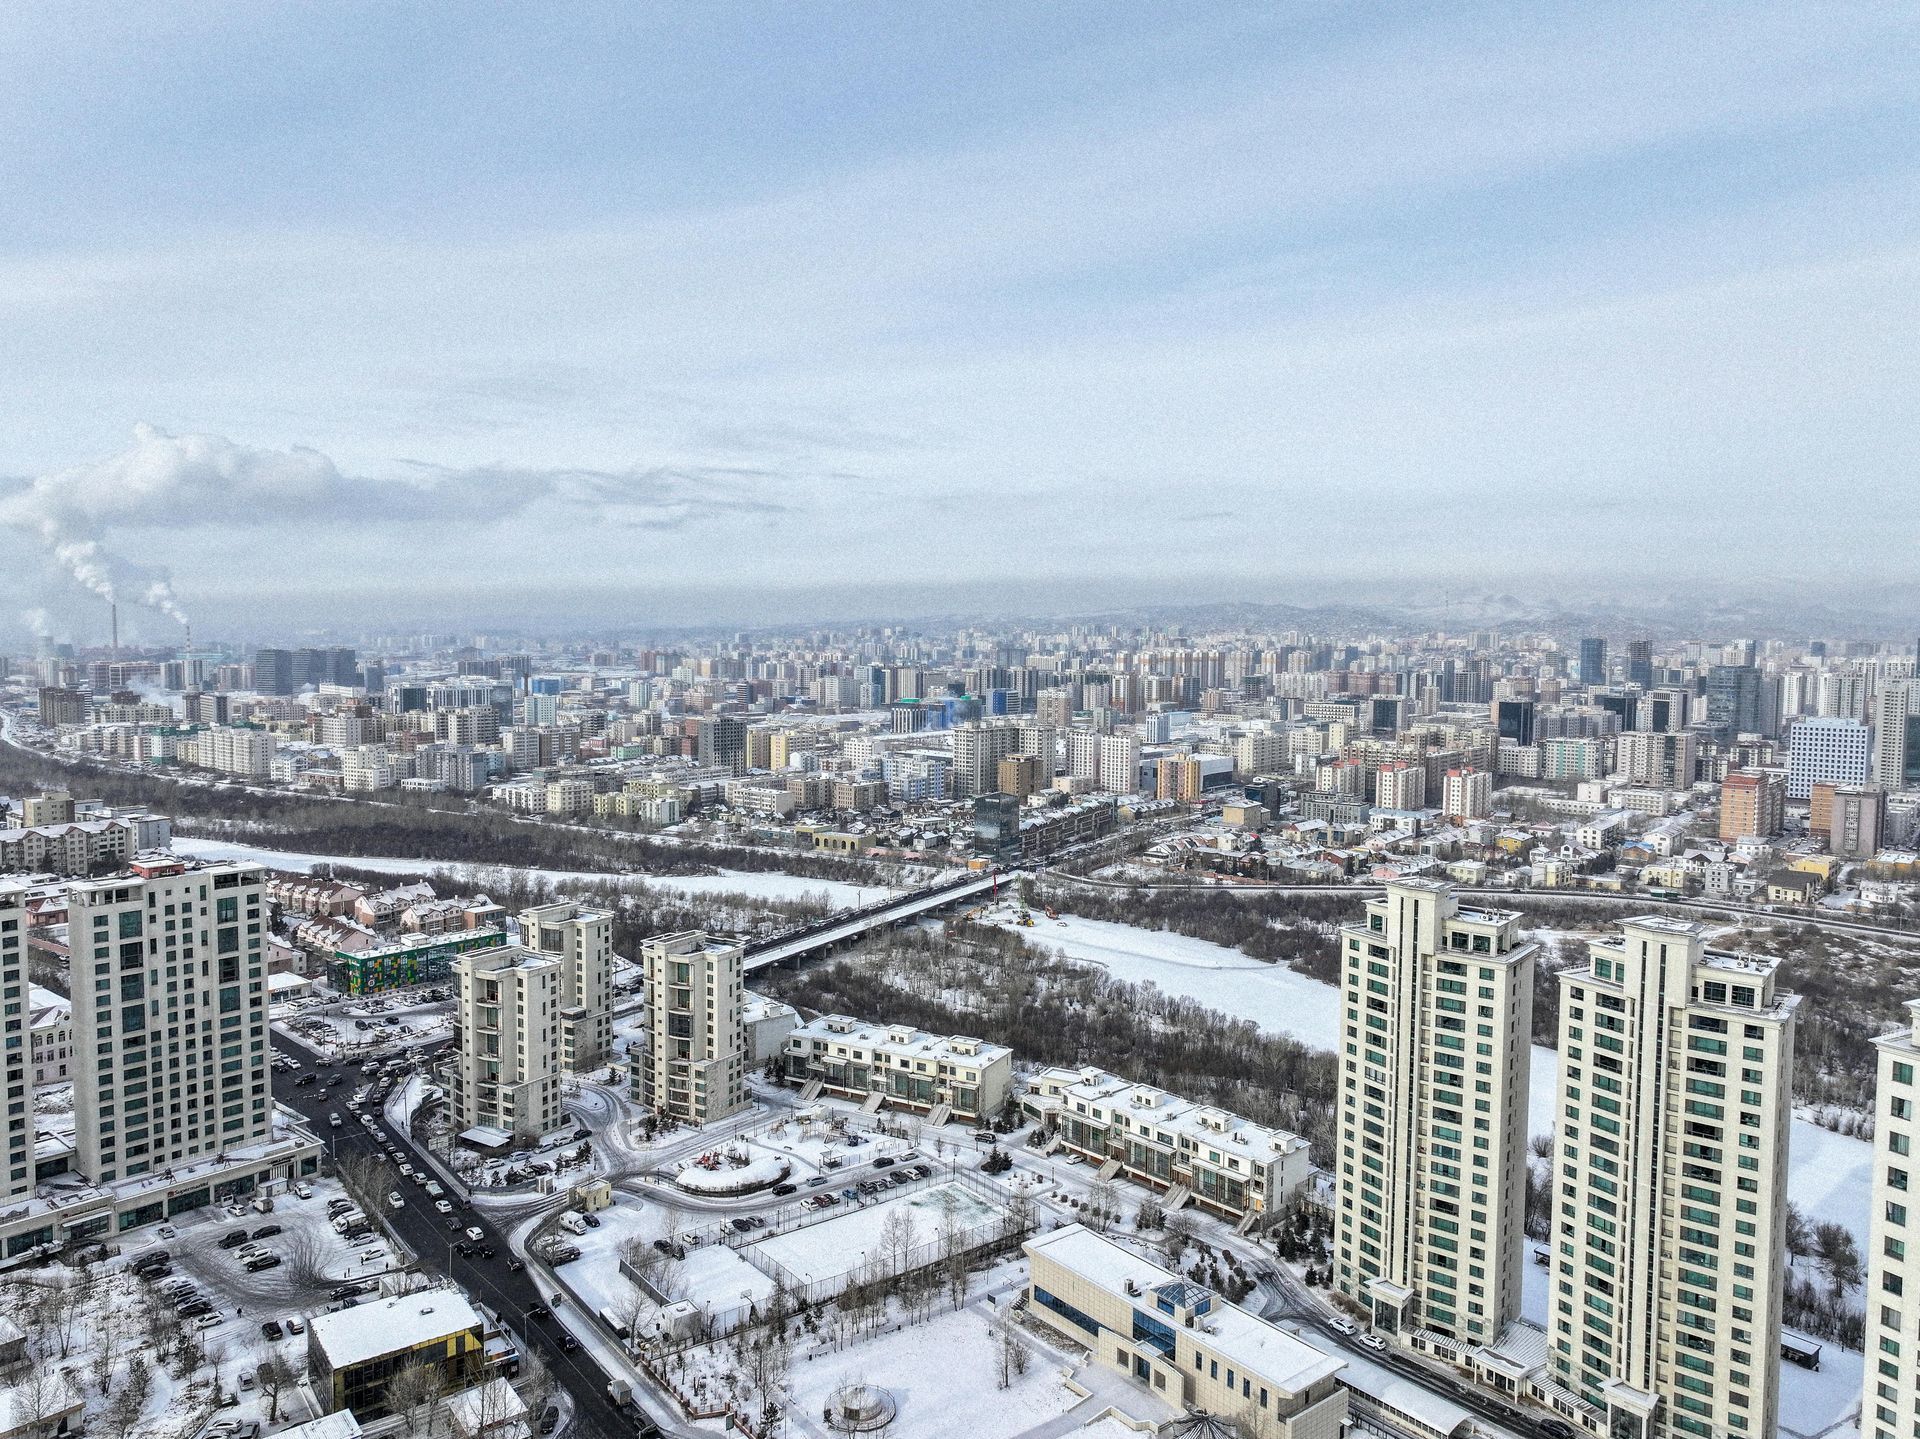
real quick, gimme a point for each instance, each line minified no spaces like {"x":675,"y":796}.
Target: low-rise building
{"x":1179,"y":1341}
{"x":942,"y":1077}
{"x":1225,"y":1164}
{"x":353,"y":1354}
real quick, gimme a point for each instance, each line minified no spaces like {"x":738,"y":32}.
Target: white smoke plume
{"x":37,"y":621}
{"x":176,"y":481}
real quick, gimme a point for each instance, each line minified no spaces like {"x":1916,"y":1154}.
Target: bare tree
{"x":537,"y":1384}
{"x":273,"y":1376}
{"x":1103,"y":1202}
{"x":413,"y":1396}
{"x":1009,"y":1354}
{"x":305,"y":1258}
{"x":897,"y":1239}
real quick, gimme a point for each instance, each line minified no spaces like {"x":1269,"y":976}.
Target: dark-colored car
{"x":539,"y":1312}
{"x":233,"y":1239}
{"x":1556,"y":1429}
{"x":263,"y":1261}
{"x":347,"y":1291}
{"x":514,"y":1266}
{"x":882,"y":1163}
{"x":783,"y":1190}
{"x":266,"y":1231}
{"x":743,"y":1226}
{"x":272,"y":1329}
{"x":568,"y":1344}
{"x":590,"y":1221}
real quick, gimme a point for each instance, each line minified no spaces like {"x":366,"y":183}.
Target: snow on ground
{"x":726,"y":1178}
{"x":822,"y":1254}
{"x":1276,"y":998}
{"x":838,"y":894}
{"x":943,"y":1375}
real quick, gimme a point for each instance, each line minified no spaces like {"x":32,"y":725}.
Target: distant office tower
{"x":1513,"y":720}
{"x":1433,"y":1113}
{"x":1833,"y":751}
{"x":1593,"y":662}
{"x":507,"y":1073}
{"x":1665,"y":710}
{"x":1893,"y":726}
{"x":1666,"y":760}
{"x":1733,"y":699}
{"x":273,"y":671}
{"x":1857,"y":821}
{"x":1468,"y":794}
{"x":1890,"y":1398}
{"x":17,"y":1176}
{"x":169,"y":1015}
{"x":1640,"y":663}
{"x":695,"y":1069}
{"x":1751,"y":802}
{"x":581,"y":938}
{"x":1676,"y":1065}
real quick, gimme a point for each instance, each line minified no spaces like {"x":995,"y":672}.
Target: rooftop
{"x":1286,"y":1362}
{"x":387,"y":1326}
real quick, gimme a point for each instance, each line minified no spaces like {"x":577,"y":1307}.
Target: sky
{"x":429,"y":307}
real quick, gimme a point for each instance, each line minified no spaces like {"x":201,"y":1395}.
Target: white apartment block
{"x":1892,"y":705}
{"x":1120,"y":763}
{"x":581,"y":938}
{"x":1262,"y":752}
{"x":1188,"y":1152}
{"x":1826,"y":751}
{"x":898,"y":1066}
{"x":695,"y":1069}
{"x":1180,"y":1342}
{"x":51,"y":1033}
{"x":247,"y":752}
{"x":169,"y":1015}
{"x":506,"y":1079}
{"x":1890,"y":1397}
{"x":1575,"y":759}
{"x":1670,"y":1199}
{"x":1083,"y":755}
{"x":1400,"y":785}
{"x":1467,"y":794}
{"x":1431,"y":1175}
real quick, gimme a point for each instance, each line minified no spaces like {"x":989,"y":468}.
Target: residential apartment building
{"x":169,"y":1015}
{"x":1670,"y":1200}
{"x":1185,"y":1345}
{"x":1188,"y":1152}
{"x":581,"y":938}
{"x":245,"y":752}
{"x":506,"y":1078}
{"x":1752,"y":802}
{"x":1400,"y":785}
{"x":1857,"y":821}
{"x":1896,"y":735}
{"x":16,"y":1043}
{"x":1467,"y":794}
{"x":1890,"y":1398}
{"x":978,"y":748}
{"x":1431,"y":1174}
{"x":898,"y":1066}
{"x":1656,"y":757}
{"x":695,"y":1069}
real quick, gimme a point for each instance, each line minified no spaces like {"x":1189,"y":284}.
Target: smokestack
{"x":115,"y":609}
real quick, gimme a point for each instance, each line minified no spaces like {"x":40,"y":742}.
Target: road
{"x":509,"y":1294}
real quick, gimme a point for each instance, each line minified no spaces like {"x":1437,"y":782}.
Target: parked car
{"x":783,"y":1190}
{"x":590,"y":1221}
{"x":1556,"y":1429}
{"x":206,"y":1321}
{"x":1342,"y":1326}
{"x":263,"y":1261}
{"x":266,"y":1231}
{"x":475,"y":1233}
{"x":233,"y":1239}
{"x":743,"y":1226}
{"x":295,"y":1325}
{"x":882,"y":1162}
{"x":1373,"y":1342}
{"x":304,"y":1190}
{"x":816,"y":1181}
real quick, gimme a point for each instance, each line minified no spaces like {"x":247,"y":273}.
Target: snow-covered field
{"x":838,"y":894}
{"x":943,"y":1375}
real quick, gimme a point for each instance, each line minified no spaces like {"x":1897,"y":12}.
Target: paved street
{"x":508,"y":1294}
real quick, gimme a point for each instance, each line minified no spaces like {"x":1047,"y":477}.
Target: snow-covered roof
{"x":1285,"y":1361}
{"x":386,"y":1326}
